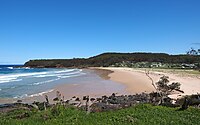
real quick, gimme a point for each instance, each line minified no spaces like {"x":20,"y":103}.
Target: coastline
{"x":98,"y":85}
{"x":126,"y":81}
{"x":136,"y":80}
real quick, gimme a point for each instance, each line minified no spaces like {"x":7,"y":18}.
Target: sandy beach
{"x":137,"y":81}
{"x":96,"y":84}
{"x":133,"y":80}
{"x":126,"y":81}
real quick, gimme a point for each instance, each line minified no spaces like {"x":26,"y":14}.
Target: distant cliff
{"x":108,"y":59}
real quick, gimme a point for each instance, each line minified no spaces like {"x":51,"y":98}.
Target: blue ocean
{"x":16,"y":82}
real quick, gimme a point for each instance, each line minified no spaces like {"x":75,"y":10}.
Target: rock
{"x":56,"y":99}
{"x":104,"y":97}
{"x":19,"y":101}
{"x":84,"y":97}
{"x":98,"y":99}
{"x":92,"y":99}
{"x":113,"y":95}
{"x":77,"y":99}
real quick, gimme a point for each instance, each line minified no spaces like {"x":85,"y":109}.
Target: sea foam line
{"x":10,"y":67}
{"x":60,"y":74}
{"x":22,"y":96}
{"x":68,"y":76}
{"x":68,"y":70}
{"x":43,"y":82}
{"x":41,"y":93}
{"x":56,"y":74}
{"x":20,"y":75}
{"x":10,"y":80}
{"x":59,"y":77}
{"x":31,"y":74}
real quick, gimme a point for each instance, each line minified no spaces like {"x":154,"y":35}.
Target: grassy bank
{"x":189,"y":72}
{"x":141,"y":115}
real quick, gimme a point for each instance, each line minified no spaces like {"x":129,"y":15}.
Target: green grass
{"x":139,"y":115}
{"x":176,"y":71}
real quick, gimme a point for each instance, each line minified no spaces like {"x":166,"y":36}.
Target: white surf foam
{"x":15,"y":77}
{"x":59,"y":77}
{"x":43,"y":82}
{"x":71,"y":73}
{"x":21,"y":96}
{"x":26,"y":68}
{"x":58,"y":73}
{"x":67,"y":70}
{"x":23,"y":68}
{"x":10,"y":67}
{"x":41,"y":93}
{"x":41,"y":76}
{"x":68,"y":76}
{"x":21,"y":75}
{"x":10,"y":80}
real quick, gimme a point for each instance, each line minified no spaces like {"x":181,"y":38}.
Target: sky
{"x":48,"y":29}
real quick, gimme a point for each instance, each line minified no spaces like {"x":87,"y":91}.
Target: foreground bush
{"x":144,"y":114}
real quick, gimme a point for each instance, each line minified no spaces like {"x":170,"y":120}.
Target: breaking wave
{"x":59,"y":74}
{"x":22,"y":82}
{"x":41,"y":93}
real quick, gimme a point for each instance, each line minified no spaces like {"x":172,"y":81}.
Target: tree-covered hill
{"x":108,"y":59}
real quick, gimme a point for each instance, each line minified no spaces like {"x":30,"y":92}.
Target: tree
{"x":198,"y":51}
{"x":165,"y":88}
{"x":174,"y":86}
{"x":195,"y":52}
{"x":192,"y":51}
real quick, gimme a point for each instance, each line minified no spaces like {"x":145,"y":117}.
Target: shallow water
{"x":22,"y":82}
{"x":26,"y":82}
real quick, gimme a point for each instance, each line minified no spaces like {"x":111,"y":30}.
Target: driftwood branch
{"x":152,"y":82}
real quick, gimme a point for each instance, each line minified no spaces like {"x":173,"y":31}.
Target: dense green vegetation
{"x":143,"y":114}
{"x":109,"y":59}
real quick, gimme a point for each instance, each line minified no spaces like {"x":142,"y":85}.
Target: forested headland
{"x":111,"y":59}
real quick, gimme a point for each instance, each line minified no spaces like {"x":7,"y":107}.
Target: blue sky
{"x":31,"y":29}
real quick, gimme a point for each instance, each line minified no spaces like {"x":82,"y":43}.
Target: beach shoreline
{"x":133,"y":81}
{"x":96,"y":87}
{"x":190,"y":83}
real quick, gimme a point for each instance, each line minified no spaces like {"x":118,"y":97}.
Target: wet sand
{"x":126,"y":81}
{"x":95,"y":84}
{"x":136,"y":82}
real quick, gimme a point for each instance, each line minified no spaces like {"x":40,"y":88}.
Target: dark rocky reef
{"x":106,"y":103}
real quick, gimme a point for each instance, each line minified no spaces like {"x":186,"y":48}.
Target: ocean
{"x":18,"y":82}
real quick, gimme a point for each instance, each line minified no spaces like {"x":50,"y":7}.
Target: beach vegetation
{"x":142,"y":114}
{"x":138,"y":60}
{"x":164,"y":86}
{"x":192,"y":51}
